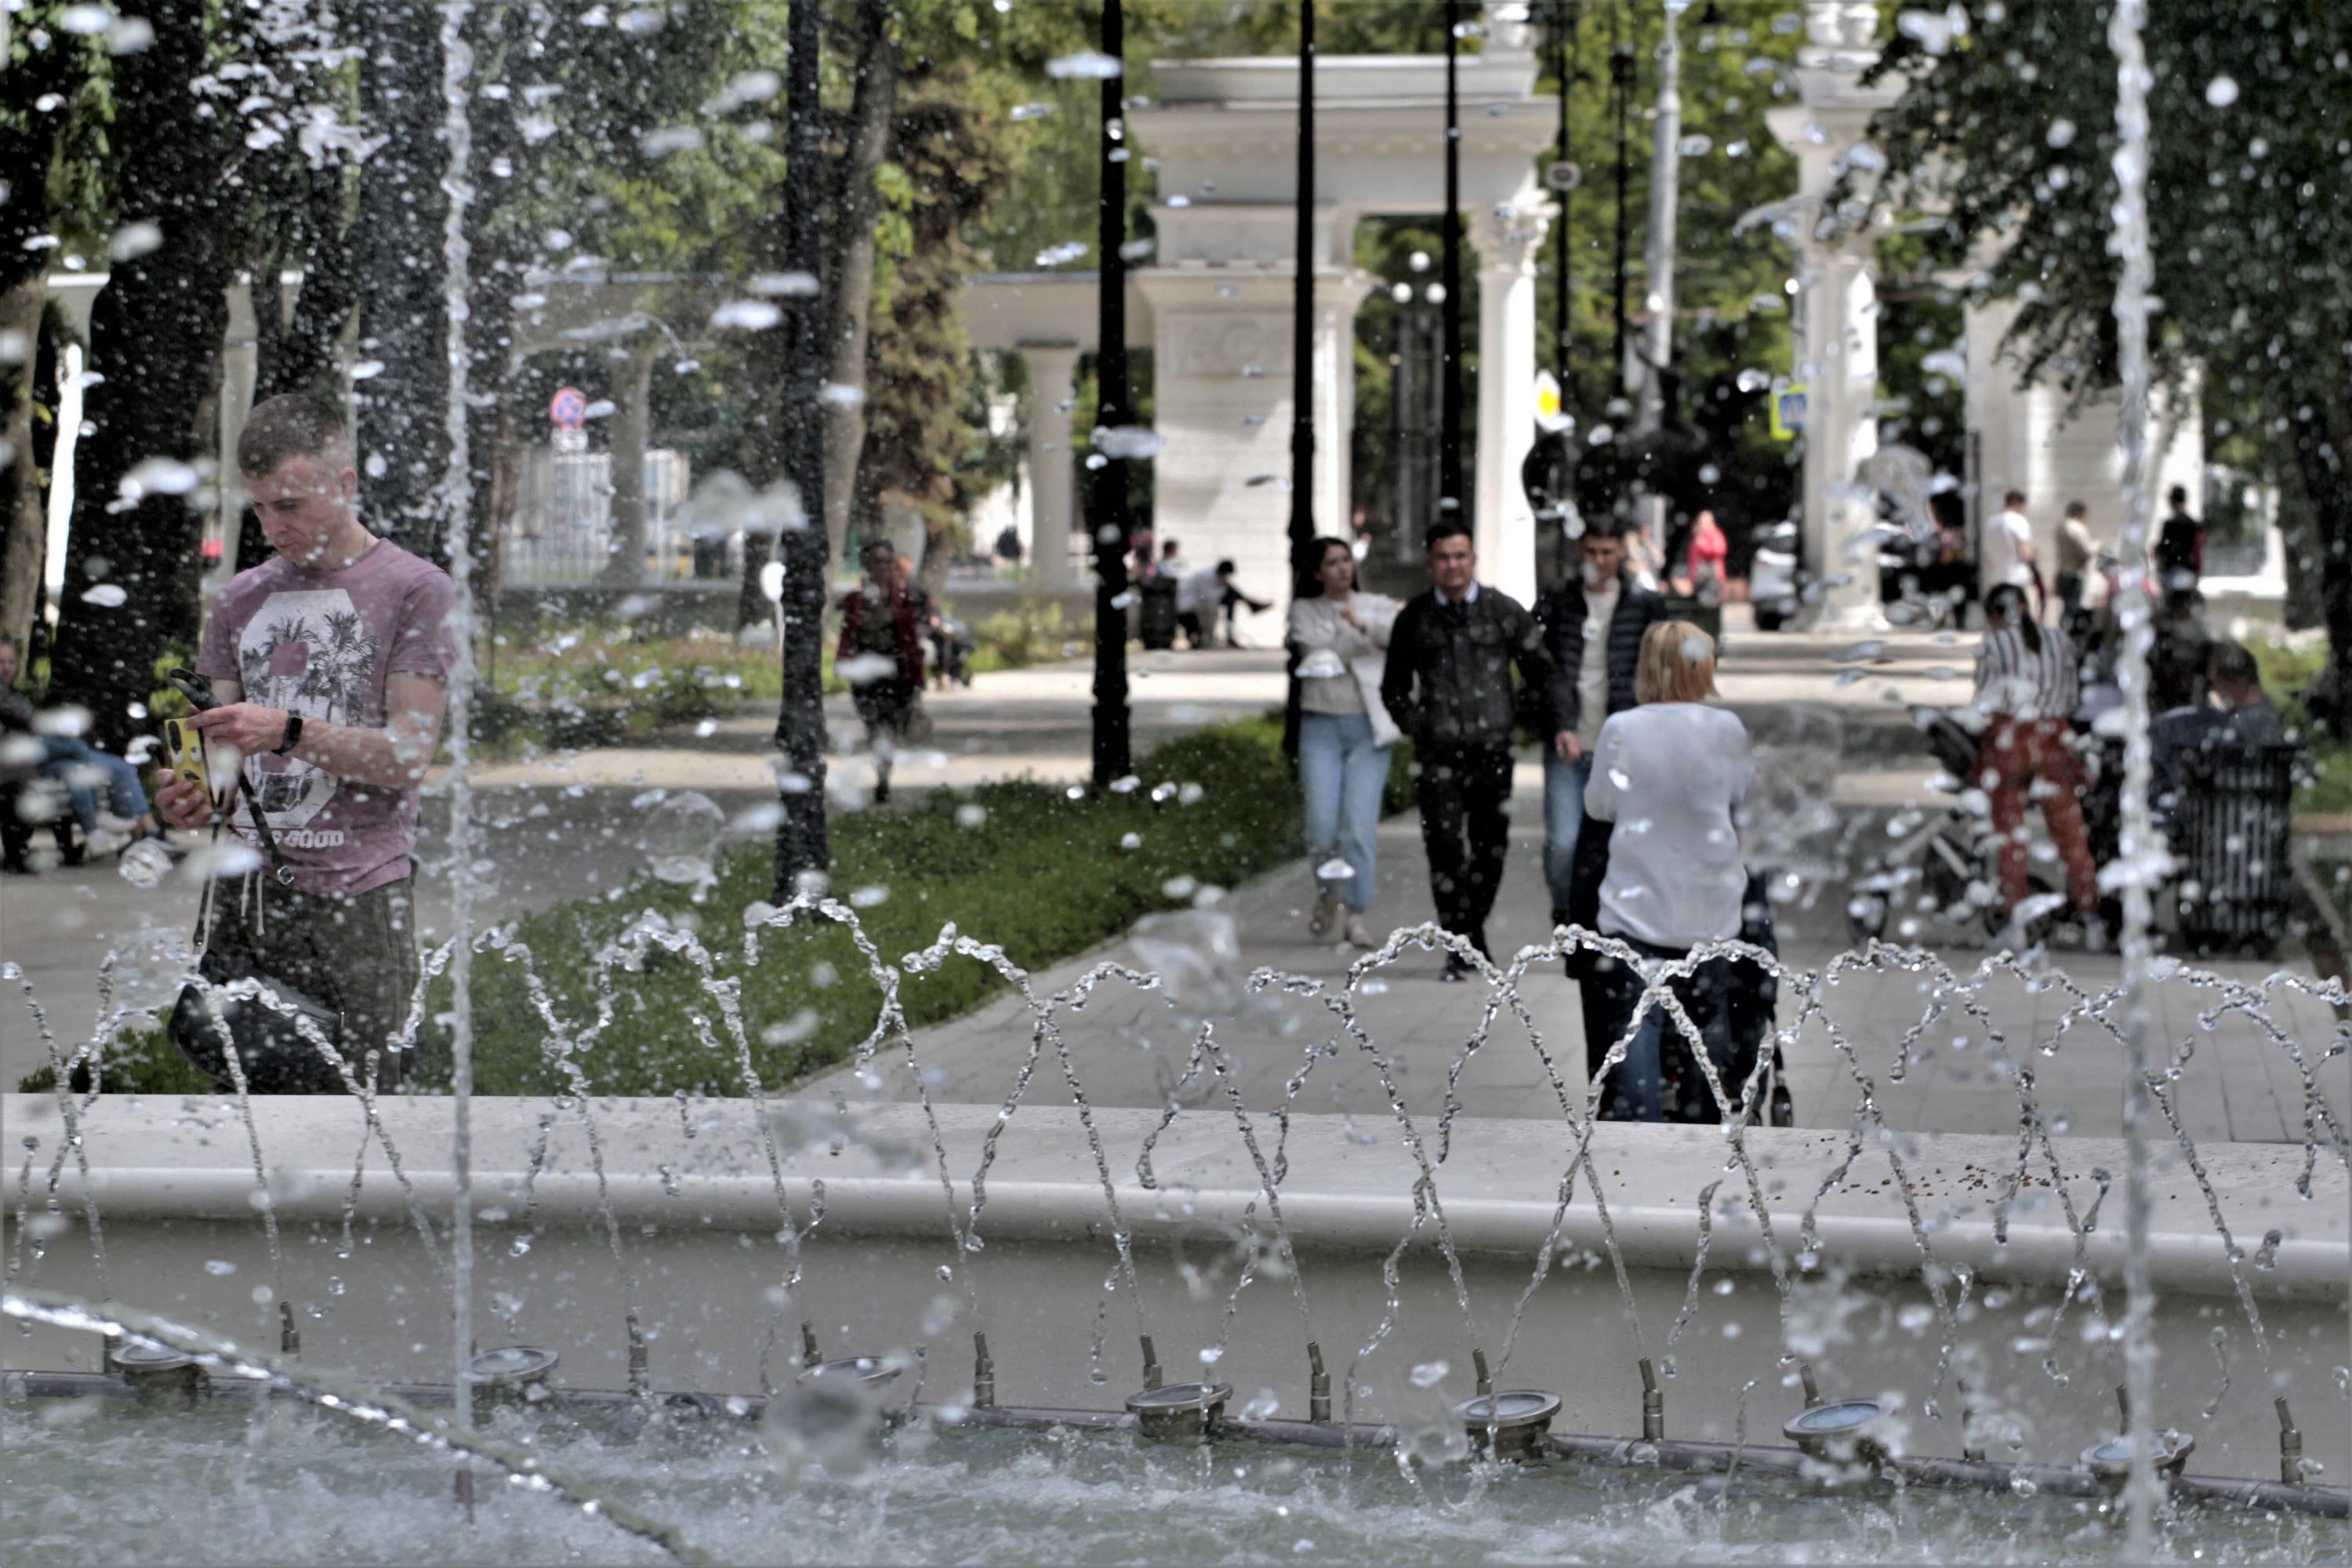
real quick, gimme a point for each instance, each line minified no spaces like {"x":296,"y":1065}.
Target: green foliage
{"x":1030,"y":632}
{"x":1042,"y":874}
{"x":141,"y":1061}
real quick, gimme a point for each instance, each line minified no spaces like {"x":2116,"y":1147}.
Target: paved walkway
{"x":1838,"y":748}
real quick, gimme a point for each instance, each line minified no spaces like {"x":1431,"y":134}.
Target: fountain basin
{"x":697,"y":1218}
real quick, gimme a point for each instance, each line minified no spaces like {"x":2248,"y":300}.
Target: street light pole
{"x":1563,"y":48}
{"x":1665,"y":160}
{"x":1620,"y":87}
{"x":1107,"y":514}
{"x":1449,"y":429}
{"x":1302,"y":319}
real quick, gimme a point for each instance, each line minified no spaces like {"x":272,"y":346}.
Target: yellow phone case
{"x":183,"y":751}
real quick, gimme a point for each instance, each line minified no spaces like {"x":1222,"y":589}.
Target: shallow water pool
{"x":103,"y":1480}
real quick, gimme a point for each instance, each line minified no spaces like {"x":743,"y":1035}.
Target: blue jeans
{"x":1635,"y":1089}
{"x":1564,"y":819}
{"x":70,"y":761}
{"x":1342,"y":772}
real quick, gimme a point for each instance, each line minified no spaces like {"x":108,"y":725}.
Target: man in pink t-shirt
{"x":331,"y":660}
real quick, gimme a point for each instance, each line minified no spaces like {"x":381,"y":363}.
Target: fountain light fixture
{"x":1511,"y":1425}
{"x":515,"y":1373}
{"x":1832,"y":1430}
{"x":1176,"y":1412}
{"x":156,"y":1372}
{"x":2110,"y":1458}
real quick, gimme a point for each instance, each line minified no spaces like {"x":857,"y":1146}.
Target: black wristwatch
{"x":293,"y":735}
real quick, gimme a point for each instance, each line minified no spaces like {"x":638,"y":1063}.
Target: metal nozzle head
{"x":2290,"y":1446}
{"x":1319,"y":1384}
{"x":290,"y":1336}
{"x":984,"y":1373}
{"x":1654,"y":1404}
{"x":809,"y":1356}
{"x":640,"y":1362}
{"x":1151,"y":1374}
{"x":2123,"y":1403}
{"x":1813,"y":1389}
{"x":1485,"y":1377}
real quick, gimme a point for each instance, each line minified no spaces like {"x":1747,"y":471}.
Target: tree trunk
{"x":849,"y":263}
{"x":404,"y":439}
{"x":154,"y":334}
{"x":25,"y":518}
{"x":804,"y":857}
{"x":2324,"y":447}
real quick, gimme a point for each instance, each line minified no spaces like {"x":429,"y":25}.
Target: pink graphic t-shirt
{"x":322,"y":644}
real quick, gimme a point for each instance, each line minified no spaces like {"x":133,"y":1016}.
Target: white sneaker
{"x":2011,"y":939}
{"x":105,"y":841}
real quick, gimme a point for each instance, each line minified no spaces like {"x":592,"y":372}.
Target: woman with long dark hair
{"x":1339,"y":633}
{"x":2028,"y":683}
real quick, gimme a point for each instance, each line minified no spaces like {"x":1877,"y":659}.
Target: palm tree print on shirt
{"x":308,"y":652}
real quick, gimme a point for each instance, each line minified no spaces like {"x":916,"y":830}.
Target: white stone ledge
{"x":165,"y":1158}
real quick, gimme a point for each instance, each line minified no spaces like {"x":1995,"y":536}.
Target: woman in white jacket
{"x":1671,"y":775}
{"x":1344,"y":734}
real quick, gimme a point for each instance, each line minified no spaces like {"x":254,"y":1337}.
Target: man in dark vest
{"x":1592,"y":627}
{"x":1448,"y":686}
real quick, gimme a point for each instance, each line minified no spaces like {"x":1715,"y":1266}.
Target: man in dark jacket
{"x":1592,"y":625}
{"x":1448,"y":686}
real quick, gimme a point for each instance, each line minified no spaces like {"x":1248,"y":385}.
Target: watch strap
{"x":293,"y":734}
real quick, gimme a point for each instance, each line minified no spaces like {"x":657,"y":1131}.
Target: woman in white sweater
{"x":1344,"y":734}
{"x":1671,"y":775}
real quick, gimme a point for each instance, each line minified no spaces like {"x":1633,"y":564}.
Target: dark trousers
{"x":1660,"y":1079}
{"x":355,"y":955}
{"x":1466,"y":827}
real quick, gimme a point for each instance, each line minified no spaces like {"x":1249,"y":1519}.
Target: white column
{"x":1053,"y":484}
{"x":1504,"y":525}
{"x":1837,"y":343}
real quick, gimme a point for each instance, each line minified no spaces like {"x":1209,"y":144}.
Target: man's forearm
{"x":394,"y":757}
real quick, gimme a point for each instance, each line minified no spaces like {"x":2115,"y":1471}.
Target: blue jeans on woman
{"x":1564,"y":819}
{"x":1342,"y":771}
{"x":1635,"y":1089}
{"x":70,"y":761}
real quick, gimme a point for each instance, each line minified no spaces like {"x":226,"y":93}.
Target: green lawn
{"x":1019,"y":864}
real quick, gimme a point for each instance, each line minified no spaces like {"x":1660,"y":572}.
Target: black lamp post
{"x":1621,"y":87}
{"x":801,"y":847}
{"x":1302,"y":319}
{"x":1107,"y":515}
{"x":1415,"y":411}
{"x":1449,"y":432}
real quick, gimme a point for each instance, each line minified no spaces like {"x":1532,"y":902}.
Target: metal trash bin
{"x":1157,"y":622}
{"x":2234,"y":881}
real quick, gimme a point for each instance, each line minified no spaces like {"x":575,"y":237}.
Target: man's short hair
{"x":1608,"y":525}
{"x":2014,"y":497}
{"x":1226,"y":568}
{"x":1443,"y":529}
{"x":2177,"y":495}
{"x":290,"y":425}
{"x":2232,"y":664}
{"x":2078,"y":508}
{"x":871,"y":546}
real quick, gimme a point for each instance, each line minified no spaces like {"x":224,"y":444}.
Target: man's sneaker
{"x":1457,"y":968}
{"x":105,"y":841}
{"x":1359,"y":934}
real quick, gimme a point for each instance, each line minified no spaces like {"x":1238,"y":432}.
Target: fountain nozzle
{"x":983,"y":1374}
{"x":1968,"y":1450}
{"x":290,"y":1336}
{"x":1813,"y":1389}
{"x":1485,"y":1378}
{"x":2290,"y":1446}
{"x":809,"y":1356}
{"x":1654,"y":1404}
{"x":1152,"y":1376}
{"x":1318,"y":1386}
{"x":641,"y":1383}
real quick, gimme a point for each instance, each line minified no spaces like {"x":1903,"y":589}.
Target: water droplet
{"x":1430,"y":1373}
{"x":219,"y":1267}
{"x":2222,"y":91}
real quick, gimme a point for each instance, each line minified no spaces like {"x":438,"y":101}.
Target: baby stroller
{"x":1947,"y":866}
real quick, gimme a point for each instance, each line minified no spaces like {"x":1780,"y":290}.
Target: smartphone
{"x":184,"y":755}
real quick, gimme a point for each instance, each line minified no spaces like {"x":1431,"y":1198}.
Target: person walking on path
{"x":1448,"y":686}
{"x":1344,"y":734}
{"x":2027,"y":688}
{"x":2076,"y":550}
{"x":331,"y":663}
{"x":880,"y":653}
{"x":2008,"y":552}
{"x":1593,"y":628}
{"x":1670,"y":773}
{"x":2179,"y":545}
{"x":1705,"y":560}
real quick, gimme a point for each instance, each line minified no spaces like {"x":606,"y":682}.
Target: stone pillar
{"x":1052,"y":481}
{"x":1507,"y":243}
{"x":1837,"y":335}
{"x":632,"y":423}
